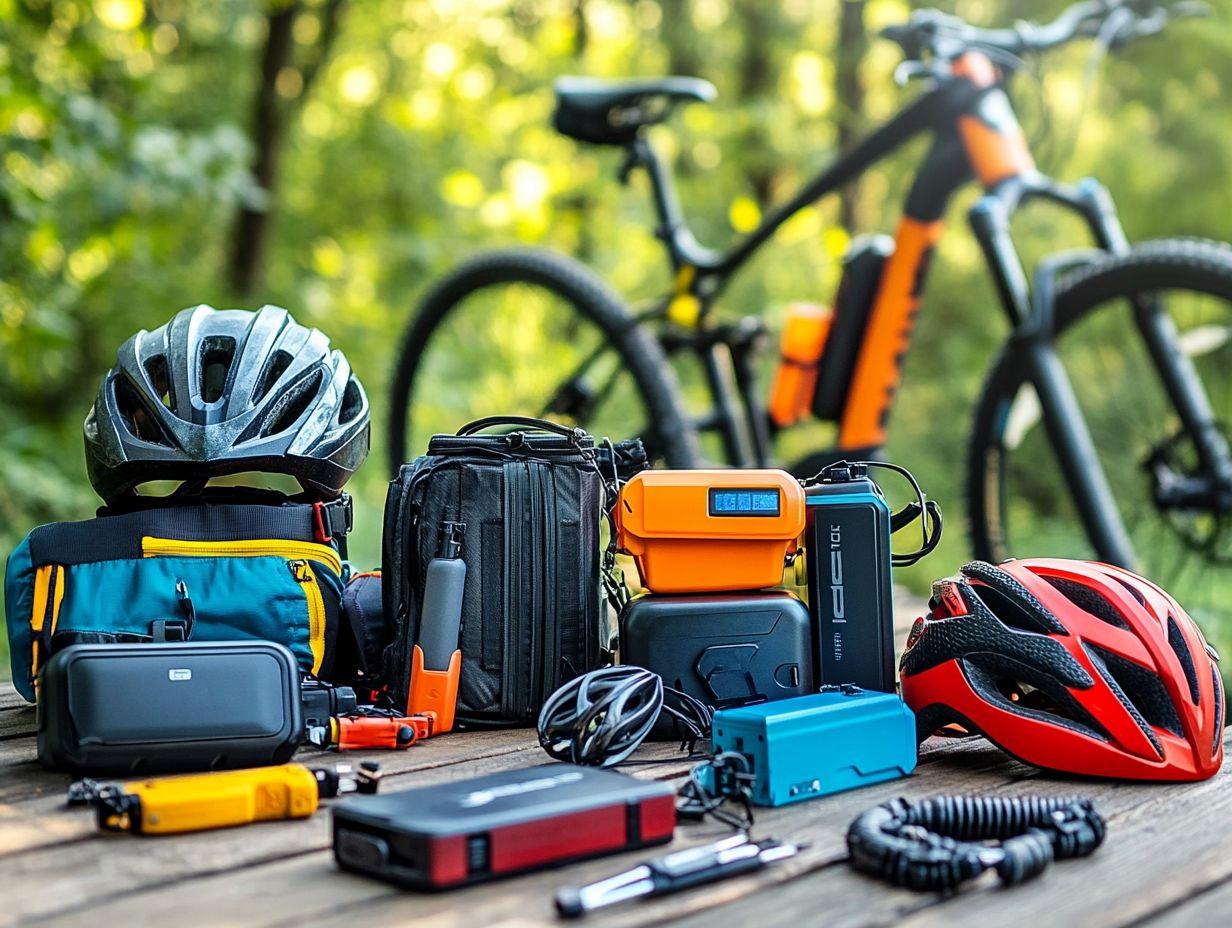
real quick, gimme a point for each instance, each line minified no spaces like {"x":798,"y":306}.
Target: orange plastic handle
{"x":360,"y":733}
{"x":434,"y":690}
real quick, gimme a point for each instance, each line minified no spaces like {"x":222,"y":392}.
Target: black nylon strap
{"x":118,"y":537}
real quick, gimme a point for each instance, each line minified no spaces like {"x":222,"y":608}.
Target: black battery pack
{"x":470,"y":831}
{"x":847,"y":545}
{"x":726,"y":650}
{"x":119,"y":710}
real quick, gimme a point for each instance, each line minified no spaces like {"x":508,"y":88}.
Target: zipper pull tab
{"x":186,"y":607}
{"x":300,"y":571}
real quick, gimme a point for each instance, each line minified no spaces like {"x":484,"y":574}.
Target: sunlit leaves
{"x":121,"y":15}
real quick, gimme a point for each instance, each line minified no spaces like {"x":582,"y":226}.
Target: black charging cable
{"x":712,"y":784}
{"x":938,"y":843}
{"x":922,"y":508}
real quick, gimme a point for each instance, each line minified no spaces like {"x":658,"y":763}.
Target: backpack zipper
{"x":257,"y":547}
{"x":49,"y":581}
{"x":304,"y":575}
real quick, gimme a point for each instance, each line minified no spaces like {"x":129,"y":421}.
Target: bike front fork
{"x":729,"y":354}
{"x":1032,"y":312}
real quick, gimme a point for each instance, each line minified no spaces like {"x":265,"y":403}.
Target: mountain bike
{"x":1100,"y":430}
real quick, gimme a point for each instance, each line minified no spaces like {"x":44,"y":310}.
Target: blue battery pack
{"x":839,"y":739}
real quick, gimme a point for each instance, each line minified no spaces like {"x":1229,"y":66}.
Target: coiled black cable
{"x":938,"y":843}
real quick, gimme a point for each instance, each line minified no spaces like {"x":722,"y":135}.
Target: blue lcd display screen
{"x":741,"y":502}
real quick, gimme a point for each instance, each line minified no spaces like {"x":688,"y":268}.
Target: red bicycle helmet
{"x":1068,"y":665}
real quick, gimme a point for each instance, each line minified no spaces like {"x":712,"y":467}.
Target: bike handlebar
{"x":945,"y":36}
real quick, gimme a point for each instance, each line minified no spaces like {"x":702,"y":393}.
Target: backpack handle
{"x":529,"y":422}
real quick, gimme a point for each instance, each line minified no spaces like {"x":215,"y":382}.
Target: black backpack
{"x":531,"y":501}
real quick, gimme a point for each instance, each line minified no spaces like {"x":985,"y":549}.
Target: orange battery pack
{"x":801,"y":348}
{"x":701,"y":531}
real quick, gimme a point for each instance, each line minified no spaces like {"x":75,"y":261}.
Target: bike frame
{"x":976,"y":135}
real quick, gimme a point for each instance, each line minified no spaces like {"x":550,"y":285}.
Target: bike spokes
{"x":1177,"y":510}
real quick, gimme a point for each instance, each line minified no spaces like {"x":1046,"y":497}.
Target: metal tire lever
{"x":674,"y":872}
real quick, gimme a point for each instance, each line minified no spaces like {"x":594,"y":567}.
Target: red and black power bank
{"x":469,"y":831}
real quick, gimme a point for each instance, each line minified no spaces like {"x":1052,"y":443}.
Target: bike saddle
{"x":611,"y":112}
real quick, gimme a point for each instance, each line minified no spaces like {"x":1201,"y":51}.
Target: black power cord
{"x":938,"y":843}
{"x":711,"y":784}
{"x":923,"y":508}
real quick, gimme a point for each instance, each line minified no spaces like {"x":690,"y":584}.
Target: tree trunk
{"x":249,"y":237}
{"x":581,"y":29}
{"x":270,"y":120}
{"x":759,"y":79}
{"x":676,"y":28}
{"x":849,"y":100}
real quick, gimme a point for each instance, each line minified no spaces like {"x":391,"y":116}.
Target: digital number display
{"x":740,"y":502}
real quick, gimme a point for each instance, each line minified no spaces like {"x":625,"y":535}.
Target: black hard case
{"x":118,"y":710}
{"x":531,"y":503}
{"x":470,"y":831}
{"x":726,"y":650}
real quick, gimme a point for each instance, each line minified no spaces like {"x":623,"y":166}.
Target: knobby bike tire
{"x":1196,"y":265}
{"x":572,"y":281}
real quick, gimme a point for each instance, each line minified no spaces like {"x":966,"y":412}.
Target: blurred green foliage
{"x":420,"y":133}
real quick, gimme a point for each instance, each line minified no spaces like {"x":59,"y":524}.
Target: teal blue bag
{"x":207,"y":571}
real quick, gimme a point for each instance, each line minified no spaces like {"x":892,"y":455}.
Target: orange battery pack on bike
{"x":205,"y":801}
{"x":695,"y":531}
{"x":800,"y":349}
{"x":470,"y":831}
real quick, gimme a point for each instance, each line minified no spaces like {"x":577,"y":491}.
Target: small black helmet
{"x":600,"y":718}
{"x":217,"y":392}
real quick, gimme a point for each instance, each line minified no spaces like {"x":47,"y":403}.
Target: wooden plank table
{"x":1167,"y":860}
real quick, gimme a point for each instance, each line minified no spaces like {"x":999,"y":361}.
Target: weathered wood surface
{"x":1167,"y":861}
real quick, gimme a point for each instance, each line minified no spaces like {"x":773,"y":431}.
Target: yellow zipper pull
{"x":303,"y":573}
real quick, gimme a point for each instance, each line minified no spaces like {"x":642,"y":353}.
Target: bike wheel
{"x":530,"y":332}
{"x":1018,"y":501}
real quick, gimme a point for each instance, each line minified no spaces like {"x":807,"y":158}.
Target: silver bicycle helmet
{"x":216,"y":392}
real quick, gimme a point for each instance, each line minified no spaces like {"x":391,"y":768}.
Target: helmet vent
{"x":1177,"y":640}
{"x":1012,"y":612}
{"x":1218,"y":709}
{"x":1088,"y":600}
{"x":292,"y":405}
{"x":1133,"y":591}
{"x":1021,"y":608}
{"x":217,"y":352}
{"x":156,"y":370}
{"x":352,"y":402}
{"x":1018,"y":687}
{"x":277,"y":365}
{"x":138,"y":418}
{"x":1140,"y":690}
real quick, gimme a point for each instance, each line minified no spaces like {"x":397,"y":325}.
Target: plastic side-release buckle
{"x":334,"y":519}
